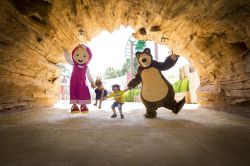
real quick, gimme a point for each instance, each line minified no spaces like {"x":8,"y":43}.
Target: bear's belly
{"x":154,"y":87}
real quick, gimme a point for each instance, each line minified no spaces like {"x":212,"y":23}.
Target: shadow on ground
{"x":53,"y":136}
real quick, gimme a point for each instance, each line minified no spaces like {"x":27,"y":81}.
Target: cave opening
{"x":213,"y":36}
{"x":37,"y":31}
{"x":112,"y":54}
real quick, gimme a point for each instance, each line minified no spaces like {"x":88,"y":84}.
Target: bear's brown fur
{"x":156,"y":90}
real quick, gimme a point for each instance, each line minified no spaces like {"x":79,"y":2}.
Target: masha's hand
{"x":92,"y":85}
{"x":65,"y":51}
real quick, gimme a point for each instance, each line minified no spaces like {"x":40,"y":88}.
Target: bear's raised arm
{"x":135,"y":81}
{"x":168,"y":63}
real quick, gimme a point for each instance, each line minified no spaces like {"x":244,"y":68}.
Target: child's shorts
{"x":118,"y":105}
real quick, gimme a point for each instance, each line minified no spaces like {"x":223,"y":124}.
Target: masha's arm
{"x":90,"y":78}
{"x":67,"y":56}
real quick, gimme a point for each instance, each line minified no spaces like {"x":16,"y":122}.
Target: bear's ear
{"x":147,"y":50}
{"x":137,"y":54}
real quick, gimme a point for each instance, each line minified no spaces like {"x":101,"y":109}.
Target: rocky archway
{"x":213,"y":35}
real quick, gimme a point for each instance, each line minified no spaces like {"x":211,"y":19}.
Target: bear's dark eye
{"x":84,"y":56}
{"x":76,"y":54}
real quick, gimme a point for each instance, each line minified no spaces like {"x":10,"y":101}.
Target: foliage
{"x":130,"y":95}
{"x":181,"y":86}
{"x":126,"y":66}
{"x":113,"y":73}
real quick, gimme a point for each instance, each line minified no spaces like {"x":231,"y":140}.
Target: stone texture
{"x":212,"y":34}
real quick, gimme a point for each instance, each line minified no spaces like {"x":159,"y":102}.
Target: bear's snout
{"x":144,"y":60}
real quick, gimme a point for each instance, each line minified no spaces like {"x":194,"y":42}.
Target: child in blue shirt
{"x":100,"y":92}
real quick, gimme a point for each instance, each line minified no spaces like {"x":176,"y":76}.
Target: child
{"x":79,"y":91}
{"x":100,"y":92}
{"x":117,"y":94}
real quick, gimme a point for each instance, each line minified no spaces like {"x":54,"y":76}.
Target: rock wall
{"x":212,"y":34}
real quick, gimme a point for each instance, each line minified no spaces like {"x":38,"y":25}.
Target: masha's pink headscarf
{"x":88,"y":51}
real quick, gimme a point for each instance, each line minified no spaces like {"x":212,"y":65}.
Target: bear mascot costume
{"x":156,"y":90}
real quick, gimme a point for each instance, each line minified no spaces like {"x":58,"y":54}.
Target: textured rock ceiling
{"x":212,"y":34}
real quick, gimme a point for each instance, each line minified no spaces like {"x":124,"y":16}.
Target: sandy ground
{"x":53,"y":136}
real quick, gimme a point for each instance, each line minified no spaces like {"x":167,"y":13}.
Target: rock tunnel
{"x":213,"y":35}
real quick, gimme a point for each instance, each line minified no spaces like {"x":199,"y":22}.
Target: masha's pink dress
{"x":79,"y":91}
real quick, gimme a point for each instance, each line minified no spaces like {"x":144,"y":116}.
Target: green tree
{"x":126,"y":66}
{"x":112,"y":73}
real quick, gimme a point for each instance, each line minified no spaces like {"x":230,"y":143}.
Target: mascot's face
{"x":144,"y":58}
{"x":81,"y":55}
